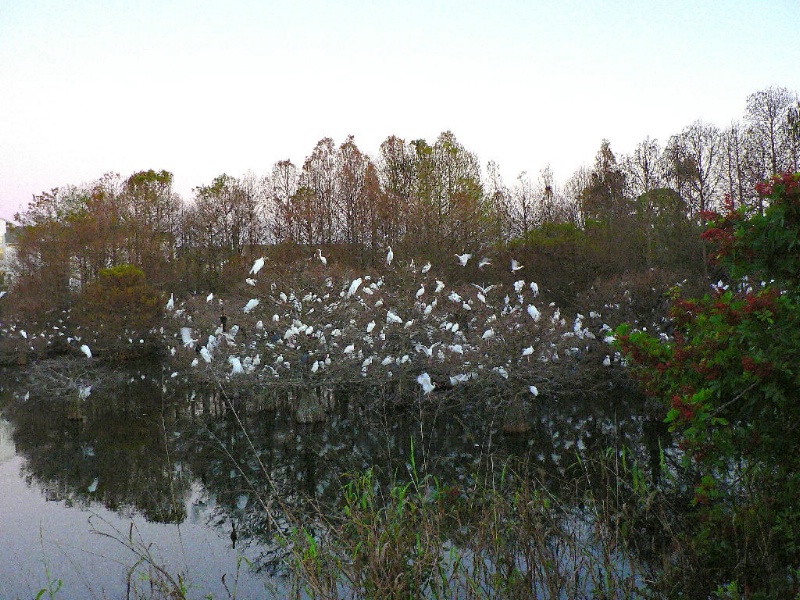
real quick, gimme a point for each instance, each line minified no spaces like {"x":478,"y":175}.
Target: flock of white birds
{"x":402,"y":324}
{"x":369,"y":326}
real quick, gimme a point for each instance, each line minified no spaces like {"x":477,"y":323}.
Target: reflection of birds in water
{"x":234,"y":537}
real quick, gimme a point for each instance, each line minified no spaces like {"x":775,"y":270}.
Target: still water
{"x":143,"y":472}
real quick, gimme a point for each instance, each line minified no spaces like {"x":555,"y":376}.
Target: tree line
{"x":426,"y":200}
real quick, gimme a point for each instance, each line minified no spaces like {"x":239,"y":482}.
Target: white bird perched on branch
{"x":205,"y":354}
{"x":321,"y":258}
{"x":85,"y":349}
{"x":515,"y":266}
{"x":236,"y":365}
{"x":392,"y":317}
{"x":250,"y":281}
{"x":186,"y":336}
{"x":489,"y":333}
{"x":425,"y":381}
{"x":354,"y":287}
{"x":534,"y":312}
{"x":420,"y":291}
{"x":251,"y":304}
{"x":484,"y":262}
{"x":389,"y":257}
{"x":426,"y":268}
{"x":257,"y":266}
{"x":463,"y":259}
{"x":210,"y":297}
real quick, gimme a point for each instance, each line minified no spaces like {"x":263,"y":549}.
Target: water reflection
{"x":242,"y":462}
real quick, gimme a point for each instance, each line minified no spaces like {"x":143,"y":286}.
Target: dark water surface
{"x":144,"y":467}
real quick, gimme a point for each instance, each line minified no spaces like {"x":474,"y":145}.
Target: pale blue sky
{"x":200,"y":88}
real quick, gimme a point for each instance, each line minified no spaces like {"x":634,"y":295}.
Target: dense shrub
{"x":120,"y":309}
{"x":729,"y":377}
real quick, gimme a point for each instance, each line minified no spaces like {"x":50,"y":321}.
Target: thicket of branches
{"x":427,"y":201}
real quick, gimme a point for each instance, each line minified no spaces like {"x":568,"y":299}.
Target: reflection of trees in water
{"x":263,"y":469}
{"x":114,"y":454}
{"x":300,"y":469}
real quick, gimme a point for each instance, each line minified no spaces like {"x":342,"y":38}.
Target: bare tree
{"x":643,"y":168}
{"x":767,"y":116}
{"x":694,"y":160}
{"x":281,"y":188}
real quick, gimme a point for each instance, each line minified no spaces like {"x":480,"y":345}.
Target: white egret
{"x":392,"y":317}
{"x":534,"y":312}
{"x":210,"y":297}
{"x":485,"y":262}
{"x":205,"y":354}
{"x":463,"y":259}
{"x":426,"y":268}
{"x":534,"y":390}
{"x":534,"y":289}
{"x":236,"y":364}
{"x":257,"y":266}
{"x":425,"y":381}
{"x":484,"y":290}
{"x":489,"y":333}
{"x":186,"y":336}
{"x":250,"y":281}
{"x":389,"y":257}
{"x":85,"y":349}
{"x":439,"y":286}
{"x":370,"y":326}
{"x":460,"y":378}
{"x":607,"y":361}
{"x":354,"y":287}
{"x":420,"y":291}
{"x":427,"y":350}
{"x":251,"y":304}
{"x":171,"y":302}
{"x":515,"y":266}
{"x":321,"y":258}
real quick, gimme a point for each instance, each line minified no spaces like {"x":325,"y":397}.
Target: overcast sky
{"x":201,"y":88}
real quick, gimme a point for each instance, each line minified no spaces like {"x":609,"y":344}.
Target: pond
{"x":143,"y":472}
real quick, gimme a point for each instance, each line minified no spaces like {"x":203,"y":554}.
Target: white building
{"x":7,"y":247}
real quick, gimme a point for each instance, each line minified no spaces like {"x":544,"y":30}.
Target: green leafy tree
{"x":731,"y":383}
